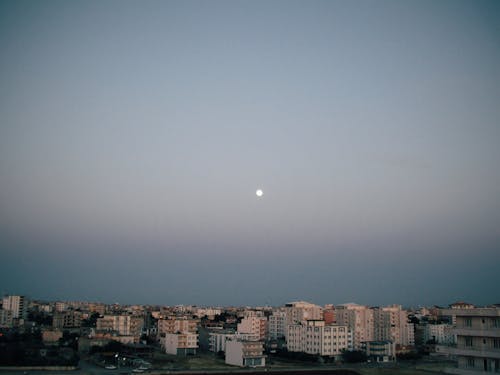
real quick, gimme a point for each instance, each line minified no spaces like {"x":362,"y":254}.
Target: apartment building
{"x":380,"y":351}
{"x":17,"y":305}
{"x":277,"y":325}
{"x":478,"y":340}
{"x":177,"y":325}
{"x":245,"y":353}
{"x":255,"y":325}
{"x":67,"y":319}
{"x":185,"y":343}
{"x":217,"y":340}
{"x":391,"y":323}
{"x":124,"y":325}
{"x":315,"y":337}
{"x":359,"y":319}
{"x":438,"y":333}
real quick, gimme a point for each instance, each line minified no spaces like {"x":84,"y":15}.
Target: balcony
{"x":469,"y":351}
{"x":492,"y":332}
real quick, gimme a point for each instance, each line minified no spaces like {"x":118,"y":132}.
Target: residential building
{"x":17,"y":305}
{"x":67,"y":319}
{"x":255,"y":325}
{"x":380,"y":351}
{"x":277,"y":325}
{"x":391,"y":324}
{"x":176,"y":325}
{"x":245,"y":353}
{"x":217,"y":340}
{"x":359,"y":319}
{"x":478,"y":340}
{"x":123,"y":325}
{"x":438,"y":334}
{"x":315,"y":337}
{"x":180,"y":343}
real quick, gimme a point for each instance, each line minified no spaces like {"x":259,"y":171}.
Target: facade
{"x":6,"y":320}
{"x":123,"y":325}
{"x":245,"y":353}
{"x":317,"y":338}
{"x":277,"y":325}
{"x":67,"y":319}
{"x":391,"y":324}
{"x":478,"y":340}
{"x":217,"y":340}
{"x":180,"y":343}
{"x":439,"y":334}
{"x":17,"y":305}
{"x":177,"y":325}
{"x":359,"y":319}
{"x":380,"y":351}
{"x":255,"y":325}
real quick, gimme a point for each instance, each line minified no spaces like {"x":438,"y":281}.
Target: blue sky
{"x":133,"y":136}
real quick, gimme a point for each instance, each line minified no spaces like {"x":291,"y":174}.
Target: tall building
{"x":277,"y":325}
{"x":360,"y":321}
{"x":478,"y":340}
{"x":17,"y":305}
{"x":391,"y":323}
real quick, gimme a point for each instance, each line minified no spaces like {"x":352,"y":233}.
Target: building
{"x":176,"y":325}
{"x":277,"y":325}
{"x":123,"y":325}
{"x":255,"y":325}
{"x":438,"y":334}
{"x":17,"y":305}
{"x":391,"y":324}
{"x":6,"y":320}
{"x":180,"y":343}
{"x":67,"y":319}
{"x":217,"y":340}
{"x":245,"y":353}
{"x":359,"y":319}
{"x":380,"y":351}
{"x":317,"y":338}
{"x":478,"y":340}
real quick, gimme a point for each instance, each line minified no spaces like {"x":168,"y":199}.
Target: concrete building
{"x":380,"y":351}
{"x":123,"y":325}
{"x":255,"y":325}
{"x":217,"y":340}
{"x":6,"y":319}
{"x":277,"y":325}
{"x":317,"y":338}
{"x":391,"y":324}
{"x":176,"y":325}
{"x":67,"y":319}
{"x":438,"y":334}
{"x":245,"y":353}
{"x":359,"y":319}
{"x":180,"y":343}
{"x":478,"y":340}
{"x":17,"y":305}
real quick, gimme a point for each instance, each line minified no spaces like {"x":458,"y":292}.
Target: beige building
{"x":217,"y":340}
{"x":180,"y":343}
{"x":478,"y":340}
{"x":255,"y":325}
{"x":391,"y":323}
{"x":360,"y":321}
{"x":315,"y":337}
{"x":67,"y":319}
{"x":245,"y":353}
{"x":177,"y":325}
{"x":123,"y":325}
{"x":277,"y":325}
{"x":17,"y":305}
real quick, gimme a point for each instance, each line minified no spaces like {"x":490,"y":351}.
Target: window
{"x":468,"y":322}
{"x":470,"y":362}
{"x":468,"y":341}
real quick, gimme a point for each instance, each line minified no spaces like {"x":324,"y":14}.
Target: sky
{"x":134,"y":135}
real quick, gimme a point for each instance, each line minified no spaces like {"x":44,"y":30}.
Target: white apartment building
{"x":440,"y":333}
{"x":180,"y":343}
{"x":277,"y":325}
{"x":217,"y":340}
{"x":478,"y":340}
{"x":314,"y":337}
{"x":17,"y":305}
{"x":245,"y":353}
{"x":360,"y":321}
{"x":255,"y":325}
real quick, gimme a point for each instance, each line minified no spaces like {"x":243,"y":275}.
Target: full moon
{"x":259,"y":193}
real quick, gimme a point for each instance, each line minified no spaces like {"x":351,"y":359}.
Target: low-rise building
{"x":245,"y":353}
{"x":380,"y":351}
{"x":180,"y":343}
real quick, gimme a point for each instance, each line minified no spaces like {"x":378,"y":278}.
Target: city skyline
{"x":133,"y":138}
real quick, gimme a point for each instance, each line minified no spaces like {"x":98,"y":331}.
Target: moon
{"x":259,"y":193}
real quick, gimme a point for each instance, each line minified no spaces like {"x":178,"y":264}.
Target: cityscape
{"x":89,"y":337}
{"x":297,"y":187}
